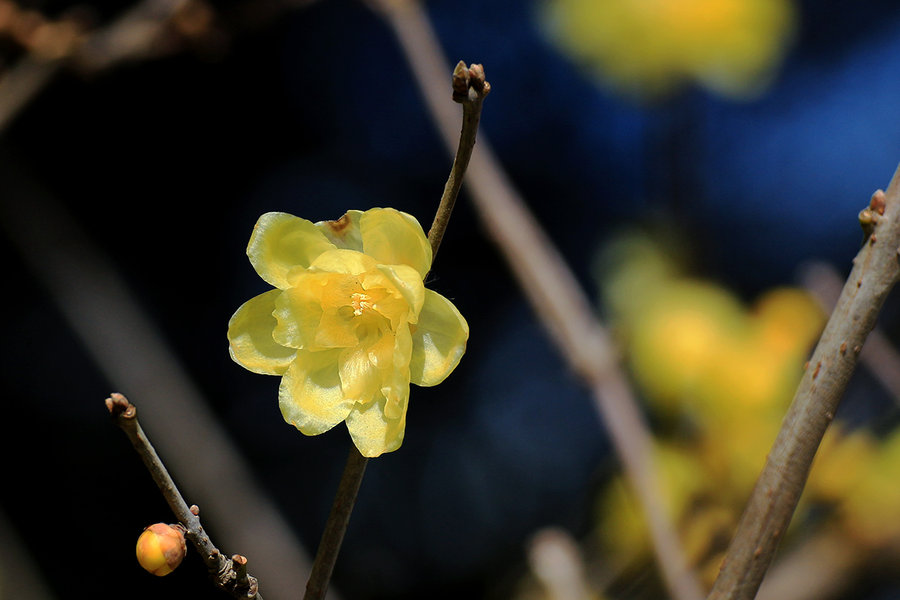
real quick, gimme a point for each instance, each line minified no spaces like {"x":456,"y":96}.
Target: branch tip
{"x":119,"y":406}
{"x":878,"y":202}
{"x":468,"y":83}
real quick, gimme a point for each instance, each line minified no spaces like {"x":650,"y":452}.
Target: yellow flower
{"x":349,"y":324}
{"x":649,"y":47}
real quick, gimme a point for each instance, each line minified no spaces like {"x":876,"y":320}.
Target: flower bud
{"x":161,"y":548}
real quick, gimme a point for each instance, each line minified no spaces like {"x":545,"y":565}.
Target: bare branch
{"x":551,"y":287}
{"x":469,"y":89}
{"x":878,"y":355}
{"x":235,"y":582}
{"x":777,"y":491}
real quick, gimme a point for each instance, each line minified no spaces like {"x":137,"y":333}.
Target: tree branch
{"x":777,"y":491}
{"x":469,"y":89}
{"x":336,"y":526}
{"x":234,"y":581}
{"x":553,"y":291}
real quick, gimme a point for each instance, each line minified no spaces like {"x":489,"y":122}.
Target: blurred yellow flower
{"x":650,"y":47}
{"x":349,"y":324}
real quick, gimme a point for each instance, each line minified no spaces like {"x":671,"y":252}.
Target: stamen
{"x":360,"y":303}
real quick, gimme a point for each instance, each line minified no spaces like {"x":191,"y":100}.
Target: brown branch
{"x":552,"y":289}
{"x":237,"y":583}
{"x":469,"y":89}
{"x":336,"y":526}
{"x":777,"y":491}
{"x":878,"y":355}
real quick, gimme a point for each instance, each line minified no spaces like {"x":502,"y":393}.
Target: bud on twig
{"x":161,"y":548}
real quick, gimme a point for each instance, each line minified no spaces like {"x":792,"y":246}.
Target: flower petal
{"x":409,"y":283}
{"x":250,"y":337}
{"x":310,"y":395}
{"x":338,"y":260}
{"x":392,"y":237}
{"x":395,"y":382}
{"x":439,"y":340}
{"x":360,"y":378}
{"x":281,"y":242}
{"x":298,"y":310}
{"x":344,"y":232}
{"x":372,"y":432}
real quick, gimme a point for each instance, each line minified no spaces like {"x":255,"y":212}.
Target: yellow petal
{"x":439,"y":340}
{"x":310,"y":395}
{"x":281,"y":242}
{"x":392,"y":237}
{"x":250,"y":337}
{"x":344,"y":232}
{"x":360,"y":377}
{"x":372,"y":432}
{"x":349,"y":262}
{"x":395,"y":382}
{"x":408,"y":282}
{"x":298,"y":310}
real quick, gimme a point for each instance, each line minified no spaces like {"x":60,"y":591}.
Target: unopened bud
{"x":161,"y":548}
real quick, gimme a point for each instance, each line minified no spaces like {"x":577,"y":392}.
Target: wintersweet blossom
{"x":349,"y":324}
{"x":650,"y":47}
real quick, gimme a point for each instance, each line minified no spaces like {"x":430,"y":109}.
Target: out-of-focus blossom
{"x":349,"y":324}
{"x":651,"y":47}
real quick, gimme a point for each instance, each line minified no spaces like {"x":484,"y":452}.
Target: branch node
{"x":878,"y":202}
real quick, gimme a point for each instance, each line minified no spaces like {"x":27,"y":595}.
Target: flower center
{"x":361,"y":302}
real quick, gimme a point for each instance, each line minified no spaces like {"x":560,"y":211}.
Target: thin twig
{"x":551,"y":287}
{"x":777,"y":491}
{"x":222,"y":568}
{"x":336,"y":526}
{"x":469,"y":89}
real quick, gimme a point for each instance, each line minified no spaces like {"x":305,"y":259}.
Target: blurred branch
{"x":129,"y":351}
{"x":557,"y":298}
{"x":150,"y":29}
{"x":821,"y":568}
{"x":878,"y":355}
{"x":777,"y":491}
{"x":229,"y":575}
{"x":18,"y":570}
{"x":557,"y":563}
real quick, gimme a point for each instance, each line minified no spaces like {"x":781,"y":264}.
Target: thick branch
{"x":552,"y":289}
{"x":778,"y":489}
{"x":234,"y":581}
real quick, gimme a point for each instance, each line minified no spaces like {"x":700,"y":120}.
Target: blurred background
{"x":699,"y":164}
